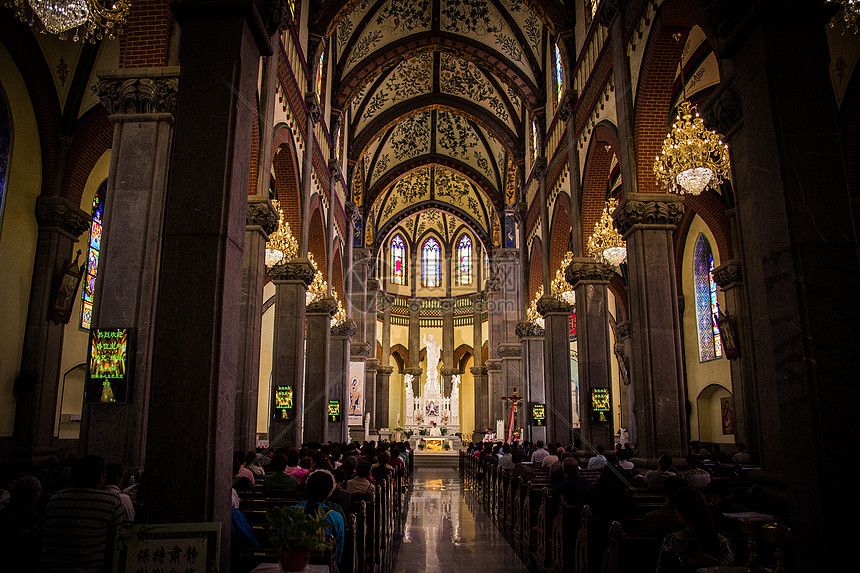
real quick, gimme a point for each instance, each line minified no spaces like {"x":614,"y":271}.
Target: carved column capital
{"x":414,"y":304}
{"x":139,"y":91}
{"x":385,"y":301}
{"x":493,"y":284}
{"x":57,"y":212}
{"x":566,"y":105}
{"x":506,"y":256}
{"x":648,"y":209}
{"x":353,"y":214}
{"x":729,"y":275}
{"x":372,"y":285}
{"x":588,"y":271}
{"x":325,"y":305}
{"x":385,"y":370}
{"x":295,"y":270}
{"x":371,"y":365}
{"x":450,"y":371}
{"x":274,"y":13}
{"x":509,"y":350}
{"x":624,"y":330}
{"x":345,"y":328}
{"x":606,"y":11}
{"x":361,"y":257}
{"x":526,"y":329}
{"x":493,"y":365}
{"x":447,"y":305}
{"x":313,"y":104}
{"x":478,"y":370}
{"x":550,"y":304}
{"x":359,"y":349}
{"x":261,"y":213}
{"x":477,"y":302}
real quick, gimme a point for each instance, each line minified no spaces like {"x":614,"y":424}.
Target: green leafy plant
{"x":290,"y":529}
{"x":444,"y":431}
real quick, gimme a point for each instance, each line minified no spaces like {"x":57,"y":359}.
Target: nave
{"x":446,"y":529}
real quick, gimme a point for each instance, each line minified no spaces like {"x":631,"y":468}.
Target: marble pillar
{"x":414,"y":338}
{"x":338,"y":387}
{"x":494,"y":391}
{"x":647,"y":221}
{"x":60,"y":225}
{"x":319,"y":313}
{"x":260,"y":221}
{"x":383,"y":396}
{"x":131,"y":243}
{"x":194,"y":359}
{"x":482,"y":417}
{"x":496,"y":336}
{"x":386,"y":301}
{"x":291,"y":280}
{"x":448,"y":369}
{"x":534,"y":386}
{"x":590,"y":280}
{"x":371,"y":365}
{"x":556,"y":316}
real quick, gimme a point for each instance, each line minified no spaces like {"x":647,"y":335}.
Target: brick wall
{"x":92,"y":139}
{"x":535,"y":270}
{"x":287,"y":188}
{"x":559,"y":241}
{"x":316,"y":238}
{"x":255,"y":150}
{"x":147,"y":34}
{"x":594,"y":189}
{"x":712,"y":212}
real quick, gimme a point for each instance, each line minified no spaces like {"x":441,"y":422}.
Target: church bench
{"x":541,"y":554}
{"x":565,"y":525}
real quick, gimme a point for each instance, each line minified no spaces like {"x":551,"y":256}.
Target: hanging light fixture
{"x":693,"y":158}
{"x":532,"y":314}
{"x":850,"y":16}
{"x":319,"y":286}
{"x":90,"y":20}
{"x":281,"y":246}
{"x":559,"y":287}
{"x":606,"y":243}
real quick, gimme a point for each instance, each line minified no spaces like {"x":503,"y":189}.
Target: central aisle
{"x":446,"y":529}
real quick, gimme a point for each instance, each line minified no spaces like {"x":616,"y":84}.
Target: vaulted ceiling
{"x":436,"y":95}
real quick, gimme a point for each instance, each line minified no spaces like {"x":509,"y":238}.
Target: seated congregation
{"x":66,"y":518}
{"x":562,"y":510}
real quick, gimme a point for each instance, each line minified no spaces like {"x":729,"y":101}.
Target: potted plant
{"x":294,"y":534}
{"x":422,"y":444}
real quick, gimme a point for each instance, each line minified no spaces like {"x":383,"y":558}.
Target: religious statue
{"x":433,"y":353}
{"x":434,"y":430}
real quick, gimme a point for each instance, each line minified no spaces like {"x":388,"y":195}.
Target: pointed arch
{"x":465,"y":258}
{"x":710,"y":343}
{"x":431,"y":262}
{"x":398,"y":254}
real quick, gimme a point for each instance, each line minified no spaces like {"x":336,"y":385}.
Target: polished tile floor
{"x":446,"y":529}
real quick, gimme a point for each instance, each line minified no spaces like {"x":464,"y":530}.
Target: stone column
{"x":338,"y":388}
{"x":729,"y":277}
{"x":60,"y":225}
{"x":512,"y":379}
{"x":261,"y":220}
{"x":494,"y":392}
{"x":319,"y":315}
{"x":358,"y":298}
{"x":371,"y":305}
{"x":414,"y":339}
{"x":131,"y":238}
{"x":482,"y":413}
{"x":449,"y":369}
{"x":532,"y":341}
{"x":387,"y":303}
{"x":590,"y":280}
{"x":556,"y":316}
{"x":371,"y":365}
{"x":647,"y":221}
{"x":194,"y":362}
{"x":291,"y":280}
{"x":622,"y":353}
{"x":383,"y":395}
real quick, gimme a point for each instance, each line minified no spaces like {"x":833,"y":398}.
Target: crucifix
{"x":514,"y":399}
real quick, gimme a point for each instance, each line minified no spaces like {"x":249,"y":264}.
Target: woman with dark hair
{"x":698,"y":544}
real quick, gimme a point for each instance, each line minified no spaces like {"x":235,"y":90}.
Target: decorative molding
{"x":624,"y":329}
{"x":345,"y":328}
{"x":606,"y":11}
{"x":510,"y":350}
{"x":299,"y":269}
{"x":139,"y":91}
{"x":450,"y":371}
{"x":371,"y":365}
{"x":506,"y":256}
{"x":477,"y":302}
{"x":728,"y":275}
{"x":493,"y":365}
{"x":527,"y":329}
{"x":384,"y":370}
{"x":447,"y":306}
{"x":359,"y":349}
{"x":325,"y":305}
{"x":416,"y":372}
{"x":313,"y":104}
{"x":723,"y":111}
{"x":588,"y":271}
{"x":57,"y":212}
{"x":274,"y":13}
{"x":414,"y":305}
{"x":353,"y":215}
{"x":493,"y":284}
{"x":566,"y":105}
{"x":261,"y":213}
{"x":654,"y":210}
{"x":550,"y":304}
{"x":478,"y":371}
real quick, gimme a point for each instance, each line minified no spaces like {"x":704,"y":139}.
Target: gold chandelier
{"x":606,"y":243}
{"x":694,"y":158}
{"x":281,"y":246}
{"x":850,"y":14}
{"x":560,"y":288}
{"x":90,"y":20}
{"x":532,"y":314}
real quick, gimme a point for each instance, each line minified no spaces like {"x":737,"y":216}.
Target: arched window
{"x":431,"y":263}
{"x":398,"y":261}
{"x":710,"y":344}
{"x":464,"y":261}
{"x":320,"y":76}
{"x":535,"y":142}
{"x":5,"y":148}
{"x":558,"y":78}
{"x":92,"y":259}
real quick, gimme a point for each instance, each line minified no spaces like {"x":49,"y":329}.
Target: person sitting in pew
{"x":698,"y":544}
{"x":360,"y":484}
{"x":611,"y":496}
{"x":556,"y":471}
{"x":319,"y":486}
{"x":696,"y":476}
{"x":552,"y":458}
{"x":661,"y":522}
{"x":656,"y":478}
{"x":597,"y":462}
{"x":278,"y":480}
{"x":521,"y":469}
{"x":720,"y":498}
{"x":572,"y":487}
{"x":293,"y":469}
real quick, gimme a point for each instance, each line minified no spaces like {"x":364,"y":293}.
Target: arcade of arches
{"x":444,"y":162}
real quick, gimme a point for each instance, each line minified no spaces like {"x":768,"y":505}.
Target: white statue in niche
{"x":410,"y":406}
{"x":433,"y":353}
{"x":455,"y":399}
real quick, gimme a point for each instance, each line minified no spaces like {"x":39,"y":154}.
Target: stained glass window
{"x":398,"y":261}
{"x":320,"y":71}
{"x":92,"y":260}
{"x":534,"y":149}
{"x":710,"y":344}
{"x":5,"y":148}
{"x":559,"y":75}
{"x":431,"y":263}
{"x":464,"y":261}
{"x":486,"y":265}
{"x":594,"y":5}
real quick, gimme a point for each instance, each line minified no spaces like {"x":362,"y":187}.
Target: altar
{"x":429,"y":413}
{"x":436,"y":444}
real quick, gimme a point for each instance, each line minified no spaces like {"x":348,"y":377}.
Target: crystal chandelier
{"x":694,"y":158}
{"x":532,"y":314}
{"x":89,"y":19}
{"x":850,"y":15}
{"x":281,"y":246}
{"x":339,"y":314}
{"x":559,"y":287}
{"x":606,"y":243}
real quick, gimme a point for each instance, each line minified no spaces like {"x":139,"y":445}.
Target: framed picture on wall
{"x":727,"y":415}
{"x":65,"y":291}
